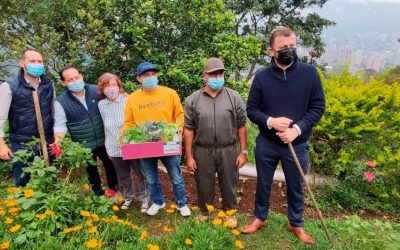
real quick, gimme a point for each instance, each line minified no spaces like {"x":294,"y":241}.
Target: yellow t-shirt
{"x":162,"y":104}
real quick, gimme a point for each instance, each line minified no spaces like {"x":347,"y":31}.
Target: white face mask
{"x":111,"y":92}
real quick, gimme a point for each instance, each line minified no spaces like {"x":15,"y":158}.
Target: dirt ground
{"x":278,"y":203}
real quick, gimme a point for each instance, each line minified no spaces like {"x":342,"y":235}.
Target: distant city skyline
{"x":365,"y":35}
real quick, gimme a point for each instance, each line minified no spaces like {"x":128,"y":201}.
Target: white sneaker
{"x":144,"y":207}
{"x":185,"y":211}
{"x":126,"y":204}
{"x":153,"y":210}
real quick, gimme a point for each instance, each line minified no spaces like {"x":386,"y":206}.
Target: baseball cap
{"x":145,"y":66}
{"x":213,"y":64}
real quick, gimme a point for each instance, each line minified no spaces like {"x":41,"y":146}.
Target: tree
{"x":260,"y":17}
{"x":116,"y":35}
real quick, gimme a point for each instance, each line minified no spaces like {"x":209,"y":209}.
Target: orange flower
{"x":28,"y":193}
{"x":49,"y":213}
{"x":95,"y":217}
{"x":93,"y":243}
{"x":173,"y":206}
{"x":231,"y":212}
{"x":239,"y":244}
{"x":11,"y":190}
{"x":235,"y":232}
{"x":86,"y":186}
{"x":89,"y":223}
{"x":92,"y":230}
{"x":8,"y":220}
{"x":115,"y":208}
{"x":144,"y":234}
{"x":40,"y":216}
{"x":10,"y":203}
{"x":217,"y":222}
{"x":5,"y":245}
{"x":221,"y":214}
{"x":85,"y":213}
{"x":152,"y":247}
{"x":14,"y":211}
{"x":210,"y":208}
{"x":120,"y":199}
{"x":15,"y":228}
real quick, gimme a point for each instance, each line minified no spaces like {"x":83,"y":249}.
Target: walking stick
{"x":309,"y":190}
{"x":40,"y":127}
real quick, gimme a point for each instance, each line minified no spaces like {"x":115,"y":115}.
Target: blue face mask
{"x":150,"y":82}
{"x":216,"y":83}
{"x":35,"y":70}
{"x":76,"y":86}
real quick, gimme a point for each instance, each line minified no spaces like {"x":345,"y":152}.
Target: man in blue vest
{"x":16,"y":105}
{"x":76,"y":111}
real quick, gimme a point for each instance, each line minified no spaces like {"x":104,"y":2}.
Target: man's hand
{"x":191,"y":164}
{"x":241,"y":160}
{"x":289,"y":135}
{"x":280,"y":123}
{"x":5,"y":152}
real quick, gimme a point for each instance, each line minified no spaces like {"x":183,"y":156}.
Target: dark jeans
{"x":94,"y":177}
{"x":22,"y":178}
{"x":268,"y":154}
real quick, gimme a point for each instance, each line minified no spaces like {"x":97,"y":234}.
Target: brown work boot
{"x":301,"y":234}
{"x":254,"y":226}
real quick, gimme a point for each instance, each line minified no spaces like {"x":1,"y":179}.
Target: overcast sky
{"x":362,"y":15}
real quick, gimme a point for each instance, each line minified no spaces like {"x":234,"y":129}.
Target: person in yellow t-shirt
{"x":153,"y":102}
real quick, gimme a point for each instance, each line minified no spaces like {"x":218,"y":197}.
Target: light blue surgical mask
{"x":76,"y":86}
{"x":35,"y":70}
{"x":216,"y":83}
{"x":150,"y":82}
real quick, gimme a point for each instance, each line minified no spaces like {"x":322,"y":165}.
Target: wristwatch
{"x":245,"y":152}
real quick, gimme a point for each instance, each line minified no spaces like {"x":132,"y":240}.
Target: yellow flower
{"x":5,"y":245}
{"x":14,"y":211}
{"x":235,"y":232}
{"x":195,"y":208}
{"x":86,"y":186}
{"x":92,"y":230}
{"x":85,"y":213}
{"x":170,"y":211}
{"x":93,"y":243}
{"x":226,"y":224}
{"x":95,"y":217}
{"x":40,"y":216}
{"x":68,"y":230}
{"x":2,"y":212}
{"x":114,"y":217}
{"x":120,"y":199}
{"x":173,"y":206}
{"x":221,"y":214}
{"x":167,"y":229}
{"x":144,"y":235}
{"x":10,"y":203}
{"x":11,"y":190}
{"x":217,"y":221}
{"x":115,"y":208}
{"x":188,"y":242}
{"x":152,"y":247}
{"x":15,"y":228}
{"x":134,"y":227}
{"x":231,"y":212}
{"x":8,"y":220}
{"x":28,"y":193}
{"x":49,"y":212}
{"x":89,"y":223}
{"x":239,"y":244}
{"x":210,"y":208}
{"x":106,"y":220}
{"x":77,"y":228}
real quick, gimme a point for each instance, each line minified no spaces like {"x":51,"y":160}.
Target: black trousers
{"x":94,"y":177}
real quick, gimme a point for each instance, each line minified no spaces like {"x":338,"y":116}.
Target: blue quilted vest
{"x":22,"y":116}
{"x":84,"y":126}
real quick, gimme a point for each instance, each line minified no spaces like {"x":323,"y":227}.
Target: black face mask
{"x":286,"y":56}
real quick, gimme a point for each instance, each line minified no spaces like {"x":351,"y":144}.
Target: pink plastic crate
{"x":150,"y":149}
